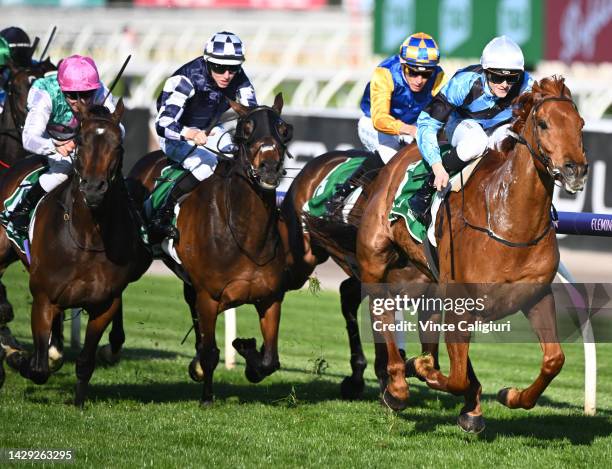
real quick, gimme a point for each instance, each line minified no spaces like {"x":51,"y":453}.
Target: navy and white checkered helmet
{"x":224,"y":48}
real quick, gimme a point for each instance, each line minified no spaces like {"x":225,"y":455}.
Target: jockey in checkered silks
{"x":189,"y":108}
{"x":51,"y":126}
{"x":401,"y":86}
{"x":474,"y":108}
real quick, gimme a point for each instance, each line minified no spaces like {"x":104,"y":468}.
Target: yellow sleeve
{"x":439,"y":83}
{"x":381,"y":87}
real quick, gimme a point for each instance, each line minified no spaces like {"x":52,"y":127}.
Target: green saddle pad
{"x":12,"y":201}
{"x":163,"y":185}
{"x":416,"y":173}
{"x":316,"y":206}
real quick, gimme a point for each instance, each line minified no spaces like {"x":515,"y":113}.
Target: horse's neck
{"x":252,"y":213}
{"x":519,"y":201}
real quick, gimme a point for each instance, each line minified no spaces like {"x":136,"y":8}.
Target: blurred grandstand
{"x":320,"y":59}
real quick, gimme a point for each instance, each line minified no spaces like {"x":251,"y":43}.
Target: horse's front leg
{"x":56,"y":344}
{"x":99,"y":318}
{"x":264,"y":363}
{"x":36,"y":367}
{"x":350,"y":297}
{"x":196,"y":372}
{"x":542,"y":316}
{"x":207,"y":310}
{"x":2,"y":355}
{"x":7,"y":256}
{"x":110,"y":354}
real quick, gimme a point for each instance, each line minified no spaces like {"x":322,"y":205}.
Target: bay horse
{"x":13,"y":115}
{"x":86,"y":245}
{"x":12,"y":120}
{"x":503,"y":212}
{"x":229,"y":245}
{"x":311,"y":241}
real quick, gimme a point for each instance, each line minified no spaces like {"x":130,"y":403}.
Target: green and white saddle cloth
{"x":327,"y":188}
{"x":11,"y":202}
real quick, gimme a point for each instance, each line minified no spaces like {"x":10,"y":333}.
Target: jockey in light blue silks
{"x":191,"y":102}
{"x":52,"y":105}
{"x":474,"y":108}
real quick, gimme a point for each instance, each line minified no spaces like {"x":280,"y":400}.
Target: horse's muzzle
{"x":269,"y":175}
{"x":93,"y":192}
{"x":574,"y":175}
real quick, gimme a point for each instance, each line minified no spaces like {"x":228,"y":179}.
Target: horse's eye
{"x":542,"y":124}
{"x":285,"y":131}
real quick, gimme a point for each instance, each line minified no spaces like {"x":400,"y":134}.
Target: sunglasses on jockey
{"x":222,"y":68}
{"x":418,"y":72}
{"x":499,"y":76}
{"x":80,"y":95}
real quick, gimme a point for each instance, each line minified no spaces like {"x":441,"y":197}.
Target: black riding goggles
{"x":80,"y":95}
{"x":499,"y":76}
{"x":413,"y":72}
{"x":222,"y":68}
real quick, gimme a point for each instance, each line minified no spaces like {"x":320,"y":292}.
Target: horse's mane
{"x":522,"y":105}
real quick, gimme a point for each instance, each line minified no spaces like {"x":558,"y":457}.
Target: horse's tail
{"x":335,"y":236}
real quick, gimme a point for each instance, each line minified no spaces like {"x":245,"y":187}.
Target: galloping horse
{"x":229,"y":245}
{"x":503,"y":213}
{"x":13,"y":116}
{"x":86,"y":245}
{"x":310,"y":241}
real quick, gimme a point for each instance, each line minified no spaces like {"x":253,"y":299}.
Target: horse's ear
{"x":278,"y":103}
{"x":238,"y":108}
{"x":118,"y":114}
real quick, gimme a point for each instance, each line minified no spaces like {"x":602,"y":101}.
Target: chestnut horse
{"x":229,"y":246}
{"x":86,"y":245}
{"x":13,"y":115}
{"x":503,"y":211}
{"x":311,"y":241}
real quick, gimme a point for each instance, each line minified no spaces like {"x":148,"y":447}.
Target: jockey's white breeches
{"x":198,"y":160}
{"x":387,"y":145}
{"x":471,"y":141}
{"x":59,"y":169}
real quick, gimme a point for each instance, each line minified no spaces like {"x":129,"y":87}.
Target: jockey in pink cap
{"x":52,"y":111}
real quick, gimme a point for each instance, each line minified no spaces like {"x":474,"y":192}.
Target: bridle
{"x":245,"y":141}
{"x":540,"y":154}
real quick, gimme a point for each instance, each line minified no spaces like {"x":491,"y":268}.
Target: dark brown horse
{"x":13,"y":115}
{"x":311,"y":241}
{"x":229,"y":245}
{"x":503,"y":213}
{"x":86,"y":246}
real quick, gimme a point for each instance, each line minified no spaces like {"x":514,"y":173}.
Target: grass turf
{"x":145,"y":410}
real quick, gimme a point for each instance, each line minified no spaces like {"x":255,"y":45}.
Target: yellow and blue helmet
{"x":420,"y":51}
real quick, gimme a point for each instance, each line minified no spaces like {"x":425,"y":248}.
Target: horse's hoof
{"x":196,"y":373}
{"x":80,"y":395}
{"x":15,"y":360}
{"x":502,"y":396}
{"x":393,"y":403}
{"x":39,"y":377}
{"x":207,"y":402}
{"x":56,"y":359}
{"x":106,"y":357}
{"x":471,"y":423}
{"x":253,"y":374}
{"x":411,"y":371}
{"x":243,"y":346}
{"x":351,"y":389}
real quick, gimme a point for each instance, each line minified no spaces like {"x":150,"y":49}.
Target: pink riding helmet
{"x":78,"y":73}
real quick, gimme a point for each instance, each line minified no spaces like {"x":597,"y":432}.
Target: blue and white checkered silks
{"x":224,"y":48}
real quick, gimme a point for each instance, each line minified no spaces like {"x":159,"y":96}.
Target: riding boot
{"x":161,"y":226}
{"x":421,"y":200}
{"x":20,"y":216}
{"x":365,"y":171}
